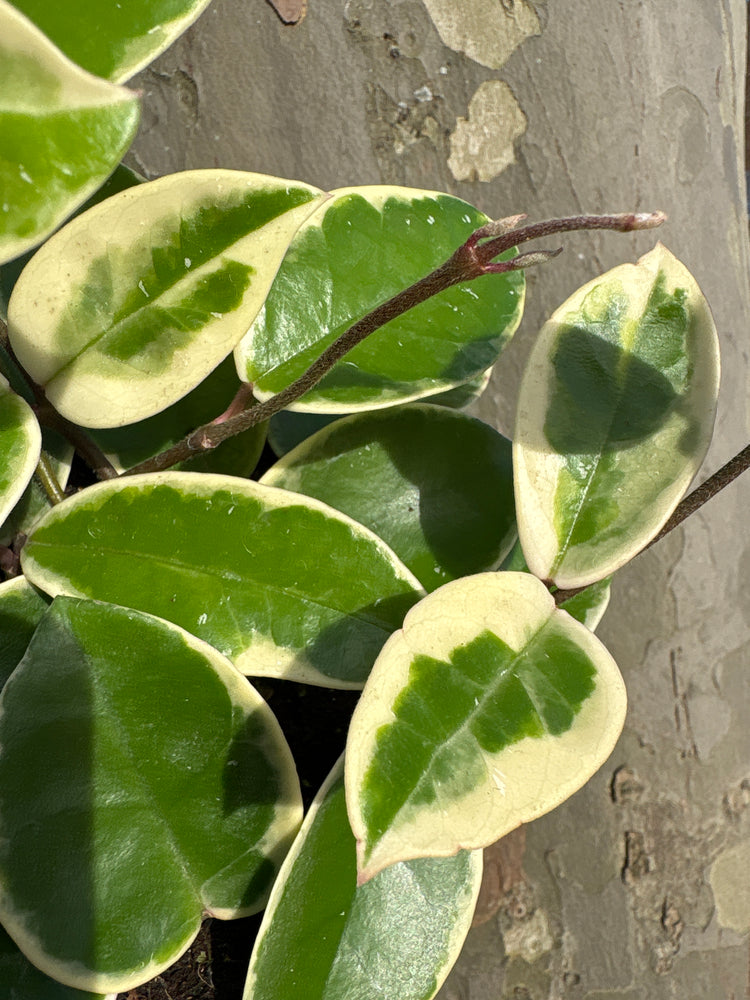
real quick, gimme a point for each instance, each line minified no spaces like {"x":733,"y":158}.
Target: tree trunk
{"x":638,"y":887}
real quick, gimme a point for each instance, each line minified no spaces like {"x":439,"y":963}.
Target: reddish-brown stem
{"x":471,"y":260}
{"x":688,"y":505}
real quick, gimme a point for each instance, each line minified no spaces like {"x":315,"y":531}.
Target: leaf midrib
{"x":460,"y":731}
{"x":223,"y":574}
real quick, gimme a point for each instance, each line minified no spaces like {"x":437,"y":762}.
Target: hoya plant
{"x":263,"y":385}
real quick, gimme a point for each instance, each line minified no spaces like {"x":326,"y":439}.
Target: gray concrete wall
{"x":638,"y":887}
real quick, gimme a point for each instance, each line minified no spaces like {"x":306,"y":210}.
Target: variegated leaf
{"x":409,"y":921}
{"x":282,"y":584}
{"x":20,"y":447}
{"x":133,"y":303}
{"x":62,"y":131}
{"x":615,"y":414}
{"x":487,"y":709}
{"x":354,"y":253}
{"x":112,"y":38}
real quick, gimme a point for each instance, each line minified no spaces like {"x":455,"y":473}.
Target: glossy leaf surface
{"x":21,"y":610}
{"x":434,"y":484}
{"x":121,"y":179}
{"x":63,"y":131}
{"x":287,"y":429}
{"x":355,"y":252}
{"x":324,"y":938}
{"x":237,"y":456}
{"x":615,"y":415}
{"x":34,"y":501}
{"x":159,"y":284}
{"x":110,"y":38}
{"x":20,"y":980}
{"x":280,"y":583}
{"x":489,"y":708}
{"x":143,"y":783}
{"x":20,"y":447}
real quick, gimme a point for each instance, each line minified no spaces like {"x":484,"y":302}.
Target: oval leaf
{"x":21,"y":610}
{"x":354,"y":253}
{"x":435,"y":485}
{"x":160,"y":283}
{"x":20,"y":447}
{"x":489,"y":708}
{"x":143,"y":782}
{"x":119,"y":180}
{"x":615,"y":414}
{"x":63,"y":131}
{"x":325,"y":938}
{"x":20,"y":980}
{"x":113,"y":39}
{"x":282,"y":584}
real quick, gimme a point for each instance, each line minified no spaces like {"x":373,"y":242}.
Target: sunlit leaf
{"x":34,"y":501}
{"x":288,"y":428}
{"x":120,"y":180}
{"x":324,"y":938}
{"x":587,"y":607}
{"x":20,"y":447}
{"x":20,"y":980}
{"x":21,"y":610}
{"x":434,"y":484}
{"x":353,"y":253}
{"x":143,"y":783}
{"x":113,"y":38}
{"x":615,"y":415}
{"x":282,"y":584}
{"x":237,"y":456}
{"x":489,"y":708}
{"x":63,"y":131}
{"x":158,"y":285}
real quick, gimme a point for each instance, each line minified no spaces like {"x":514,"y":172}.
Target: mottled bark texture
{"x":637,"y":888}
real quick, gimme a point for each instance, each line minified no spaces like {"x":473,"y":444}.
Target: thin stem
{"x":471,"y":260}
{"x":48,"y":416}
{"x":86,"y":447}
{"x":48,"y":480}
{"x":688,"y":505}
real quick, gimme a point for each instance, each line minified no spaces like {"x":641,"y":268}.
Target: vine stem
{"x":48,"y":416}
{"x":687,"y":506}
{"x":474,"y":258}
{"x":45,"y":473}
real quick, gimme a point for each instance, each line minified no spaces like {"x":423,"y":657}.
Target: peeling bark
{"x":630,"y":890}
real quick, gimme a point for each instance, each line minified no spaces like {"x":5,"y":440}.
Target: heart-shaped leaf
{"x":615,"y":414}
{"x":352,"y":254}
{"x":143,"y":782}
{"x":160,"y":283}
{"x":111,"y":38}
{"x":21,"y":610}
{"x":325,"y":938}
{"x":63,"y":131}
{"x":434,"y":484}
{"x":282,"y":584}
{"x":20,"y":447}
{"x":20,"y":980}
{"x":489,"y":708}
